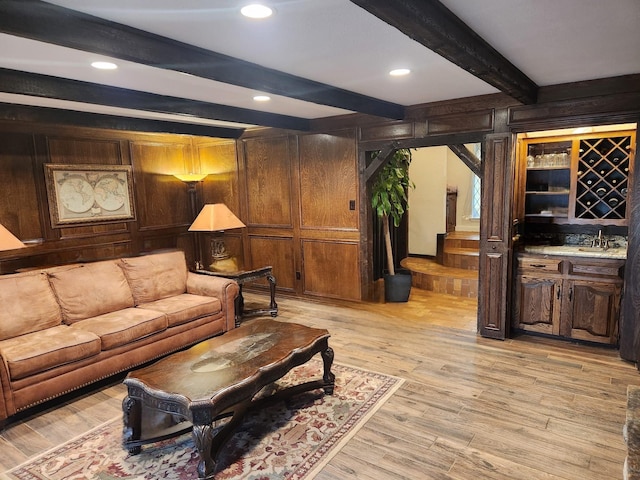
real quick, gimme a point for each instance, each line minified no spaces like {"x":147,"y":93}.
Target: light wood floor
{"x":470,"y":408}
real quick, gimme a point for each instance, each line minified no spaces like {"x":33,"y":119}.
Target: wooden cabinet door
{"x":590,"y":311}
{"x":538,"y":303}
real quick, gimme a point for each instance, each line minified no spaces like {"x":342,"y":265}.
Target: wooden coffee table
{"x":218,"y":378}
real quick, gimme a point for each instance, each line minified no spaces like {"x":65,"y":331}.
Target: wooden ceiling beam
{"x":57,"y":116}
{"x":37,"y":85}
{"x":468,"y":158}
{"x":51,"y":23}
{"x":433,"y":25}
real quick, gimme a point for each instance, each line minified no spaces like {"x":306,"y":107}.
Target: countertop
{"x":577,"y":251}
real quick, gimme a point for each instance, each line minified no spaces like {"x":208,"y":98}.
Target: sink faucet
{"x":600,"y":242}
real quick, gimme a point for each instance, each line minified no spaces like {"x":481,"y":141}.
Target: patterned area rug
{"x":289,"y":440}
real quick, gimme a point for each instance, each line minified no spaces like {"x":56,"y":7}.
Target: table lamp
{"x":217,"y":218}
{"x":8,"y":241}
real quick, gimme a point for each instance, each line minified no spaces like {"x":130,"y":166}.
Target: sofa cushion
{"x":28,"y":305}
{"x":184,"y":308}
{"x":156,"y":276}
{"x":123,"y":326}
{"x":49,"y":348}
{"x":91,"y":289}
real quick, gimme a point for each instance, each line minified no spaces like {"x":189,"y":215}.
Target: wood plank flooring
{"x":470,"y":408}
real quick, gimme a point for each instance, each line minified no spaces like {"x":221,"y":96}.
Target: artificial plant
{"x":389,"y":196}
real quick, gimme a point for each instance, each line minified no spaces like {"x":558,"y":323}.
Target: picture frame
{"x":85,"y":194}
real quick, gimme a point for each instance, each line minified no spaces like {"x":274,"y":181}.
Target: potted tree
{"x":389,"y":201}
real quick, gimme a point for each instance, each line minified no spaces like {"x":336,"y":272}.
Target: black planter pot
{"x":397,"y":287}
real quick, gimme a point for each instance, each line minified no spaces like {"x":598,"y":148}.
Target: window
{"x":476,"y":186}
{"x":475,"y":196}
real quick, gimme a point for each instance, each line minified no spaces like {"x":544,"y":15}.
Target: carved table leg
{"x":272,"y":290}
{"x":132,"y":421}
{"x":329,"y":378}
{"x":203,"y":438}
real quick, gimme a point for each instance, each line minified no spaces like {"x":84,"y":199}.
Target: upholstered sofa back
{"x":156,"y":276}
{"x":28,"y":304}
{"x":38,"y":300}
{"x":90,"y":290}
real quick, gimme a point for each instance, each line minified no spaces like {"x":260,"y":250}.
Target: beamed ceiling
{"x":194,"y":66}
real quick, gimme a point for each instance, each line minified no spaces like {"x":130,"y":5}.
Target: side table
{"x":242,"y":277}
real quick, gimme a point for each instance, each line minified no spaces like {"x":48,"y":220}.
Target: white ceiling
{"x":338,"y":43}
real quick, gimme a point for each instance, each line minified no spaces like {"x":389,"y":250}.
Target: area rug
{"x":289,"y":440}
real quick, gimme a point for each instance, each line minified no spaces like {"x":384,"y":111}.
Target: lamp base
{"x":226,"y":265}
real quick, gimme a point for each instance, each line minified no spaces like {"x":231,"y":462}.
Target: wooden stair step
{"x":472,"y":252}
{"x":464,"y":235}
{"x":426,"y":274}
{"x":462,"y":240}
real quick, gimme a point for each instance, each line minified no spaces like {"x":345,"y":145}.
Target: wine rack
{"x":602,"y":179}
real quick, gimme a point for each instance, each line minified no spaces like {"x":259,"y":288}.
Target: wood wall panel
{"x":328,"y":181}
{"x":221,"y":185}
{"x":393,"y":131}
{"x":494,"y":275}
{"x":279,"y":253}
{"x":89,"y":151}
{"x":92,"y":230}
{"x":161,"y":199}
{"x":331,"y":269}
{"x":267,"y":163}
{"x":19,"y":211}
{"x":456,"y":123}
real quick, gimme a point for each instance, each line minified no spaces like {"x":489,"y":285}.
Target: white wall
{"x":427,"y":202}
{"x":432,"y":170}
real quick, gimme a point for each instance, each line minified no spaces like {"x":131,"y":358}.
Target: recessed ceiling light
{"x":262,"y":98}
{"x":399,"y":72}
{"x":255,"y":10}
{"x":104,"y":65}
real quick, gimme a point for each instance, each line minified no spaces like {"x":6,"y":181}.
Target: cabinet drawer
{"x":532,"y":264}
{"x":612,"y":269}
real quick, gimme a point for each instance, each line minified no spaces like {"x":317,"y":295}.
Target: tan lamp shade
{"x":215,"y":218}
{"x":8,"y":241}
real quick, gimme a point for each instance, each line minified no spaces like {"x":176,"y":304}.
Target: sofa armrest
{"x":222,"y":288}
{"x":6,"y":399}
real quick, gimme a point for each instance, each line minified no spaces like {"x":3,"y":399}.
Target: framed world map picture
{"x":89,"y":193}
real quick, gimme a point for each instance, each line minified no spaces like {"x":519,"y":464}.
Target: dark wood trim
{"x":589,"y":88}
{"x":33,"y":84}
{"x":380,"y":161}
{"x":431,"y":24}
{"x":468,"y":158}
{"x":50,"y":23}
{"x":22,"y":113}
{"x":629,"y":330}
{"x":605,"y":109}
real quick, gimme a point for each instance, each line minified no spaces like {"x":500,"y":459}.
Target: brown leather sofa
{"x":65,"y":327}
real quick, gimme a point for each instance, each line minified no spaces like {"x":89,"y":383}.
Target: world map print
{"x":79,"y":194}
{"x":88,"y":194}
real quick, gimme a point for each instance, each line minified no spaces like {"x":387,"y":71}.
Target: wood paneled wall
{"x":161,"y":202}
{"x":301,"y":210}
{"x":303,"y":196}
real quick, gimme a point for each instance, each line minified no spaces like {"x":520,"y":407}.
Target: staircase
{"x":461,"y":250}
{"x":458,"y":272}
